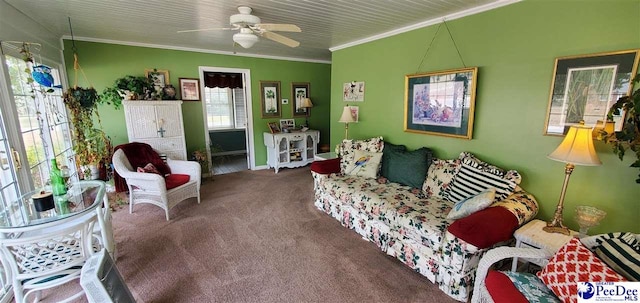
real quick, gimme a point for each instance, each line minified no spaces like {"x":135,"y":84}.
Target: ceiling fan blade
{"x":281,"y":39}
{"x":279,"y":27}
{"x":206,"y":29}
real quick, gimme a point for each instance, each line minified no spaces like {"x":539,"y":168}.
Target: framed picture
{"x":299,"y":91}
{"x":273,"y":127}
{"x":584,"y":87}
{"x":353,"y":91}
{"x":189,"y":89}
{"x":270,"y":99}
{"x":160,"y":77}
{"x":441,"y":103}
{"x":287,"y":124}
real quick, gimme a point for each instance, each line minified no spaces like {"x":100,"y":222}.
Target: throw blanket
{"x":139,"y":154}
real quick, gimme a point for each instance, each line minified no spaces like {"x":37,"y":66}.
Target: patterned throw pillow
{"x":593,"y":242}
{"x":439,"y":176}
{"x":149,"y":168}
{"x":347,"y":148}
{"x":364,"y":164}
{"x":521,"y":204}
{"x":472,"y":204}
{"x":531,"y":287}
{"x":574,"y":263}
{"x":475,"y":176}
{"x":621,"y":256}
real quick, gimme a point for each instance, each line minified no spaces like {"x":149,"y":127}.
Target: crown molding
{"x":190,"y":49}
{"x":458,"y":15}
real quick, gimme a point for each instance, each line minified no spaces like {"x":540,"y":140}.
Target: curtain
{"x":222,"y":80}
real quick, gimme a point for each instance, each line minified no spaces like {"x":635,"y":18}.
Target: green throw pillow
{"x":408,"y":167}
{"x":389,"y":148}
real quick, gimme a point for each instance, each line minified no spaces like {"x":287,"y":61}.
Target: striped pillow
{"x":475,"y":176}
{"x":621,"y":257}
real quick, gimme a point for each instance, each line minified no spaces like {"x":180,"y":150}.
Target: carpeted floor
{"x":256,"y":237}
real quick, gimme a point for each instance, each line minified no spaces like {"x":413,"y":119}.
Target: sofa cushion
{"x":475,"y":176}
{"x":501,"y":289}
{"x":364,"y":164}
{"x":386,"y":156}
{"x":175,"y":180}
{"x":347,"y":148}
{"x":330,"y":166}
{"x":439,"y":176}
{"x":485,"y":228}
{"x":472,"y":204}
{"x":621,"y":257}
{"x":593,"y":242}
{"x":407,"y":167}
{"x":571,"y":264}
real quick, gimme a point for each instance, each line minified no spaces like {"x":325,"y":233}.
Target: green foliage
{"x":629,"y":136}
{"x":137,"y":86}
{"x":90,"y":145}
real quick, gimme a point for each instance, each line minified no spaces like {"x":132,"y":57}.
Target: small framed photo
{"x":299,"y":91}
{"x":159,"y":77}
{"x":287,"y":124}
{"x":353,"y":91}
{"x":190,"y":89}
{"x":273,"y":127}
{"x":269,"y":99}
{"x":355,"y":112}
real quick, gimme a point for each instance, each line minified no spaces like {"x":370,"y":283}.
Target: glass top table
{"x":81,"y":197}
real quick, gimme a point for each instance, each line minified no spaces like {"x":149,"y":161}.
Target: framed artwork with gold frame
{"x":584,"y":87}
{"x":441,"y":103}
{"x":160,"y":77}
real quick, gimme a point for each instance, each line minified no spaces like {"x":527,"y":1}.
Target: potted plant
{"x":127,"y":88}
{"x":629,"y":136}
{"x":90,"y":144}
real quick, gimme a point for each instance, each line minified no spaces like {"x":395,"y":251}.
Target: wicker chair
{"x":480,"y":293}
{"x":48,"y":258}
{"x":151,"y":188}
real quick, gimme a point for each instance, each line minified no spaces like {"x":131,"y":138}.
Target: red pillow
{"x":327,"y":166}
{"x":175,"y":180}
{"x":575,"y":263}
{"x":502,"y":289}
{"x":485,"y":228}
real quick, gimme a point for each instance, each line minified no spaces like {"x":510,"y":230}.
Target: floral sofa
{"x":410,"y":222}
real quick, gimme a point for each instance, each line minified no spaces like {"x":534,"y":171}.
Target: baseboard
{"x":230,"y":152}
{"x":261,"y":167}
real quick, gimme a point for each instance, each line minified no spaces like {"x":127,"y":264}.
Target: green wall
{"x":104,"y":63}
{"x":514,"y":47}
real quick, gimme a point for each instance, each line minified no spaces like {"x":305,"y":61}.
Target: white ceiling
{"x":325,"y":24}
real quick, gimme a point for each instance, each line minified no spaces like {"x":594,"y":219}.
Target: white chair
{"x":48,"y":258}
{"x":151,"y":188}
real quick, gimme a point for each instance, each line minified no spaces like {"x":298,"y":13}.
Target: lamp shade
{"x":346,"y":117}
{"x":306,"y":103}
{"x":577,"y":147}
{"x":246,"y":40}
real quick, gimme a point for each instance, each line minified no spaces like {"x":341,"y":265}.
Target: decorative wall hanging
{"x":159,"y":77}
{"x":441,"y":103}
{"x":189,"y":89}
{"x":585,"y":87}
{"x":299,"y":91}
{"x":353,"y":91}
{"x":269,"y":99}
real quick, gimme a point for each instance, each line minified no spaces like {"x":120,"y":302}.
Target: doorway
{"x":226,"y":108}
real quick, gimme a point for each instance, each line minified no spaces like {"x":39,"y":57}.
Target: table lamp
{"x":307,"y":105}
{"x":587,"y":217}
{"x":576,"y":149}
{"x":346,"y":118}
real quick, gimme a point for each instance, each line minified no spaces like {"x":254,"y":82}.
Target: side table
{"x":325,"y":156}
{"x":532,"y":235}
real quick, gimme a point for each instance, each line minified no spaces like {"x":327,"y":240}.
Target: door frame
{"x":246,"y":75}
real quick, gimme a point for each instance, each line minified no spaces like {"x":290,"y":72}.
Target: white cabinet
{"x":291,"y":149}
{"x":159,"y":124}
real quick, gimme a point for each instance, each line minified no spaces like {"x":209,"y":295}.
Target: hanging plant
{"x":629,"y":136}
{"x":82,"y":102}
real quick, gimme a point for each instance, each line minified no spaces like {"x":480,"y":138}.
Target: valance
{"x":222,"y":80}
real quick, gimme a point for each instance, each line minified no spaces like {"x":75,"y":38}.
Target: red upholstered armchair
{"x":165,"y":187}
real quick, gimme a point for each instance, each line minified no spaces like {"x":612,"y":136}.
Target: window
{"x":225,"y":108}
{"x":44,"y":125}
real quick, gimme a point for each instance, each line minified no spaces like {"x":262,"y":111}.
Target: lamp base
{"x":558,"y":228}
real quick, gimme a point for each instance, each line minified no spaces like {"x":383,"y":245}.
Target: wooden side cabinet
{"x":159,"y":124}
{"x":291,"y":149}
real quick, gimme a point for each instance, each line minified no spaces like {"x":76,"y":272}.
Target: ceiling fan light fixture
{"x":245,"y":40}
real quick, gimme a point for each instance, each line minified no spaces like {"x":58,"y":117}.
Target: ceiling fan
{"x":250,"y":28}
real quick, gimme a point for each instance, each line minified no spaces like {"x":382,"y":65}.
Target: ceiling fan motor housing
{"x":244,"y":18}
